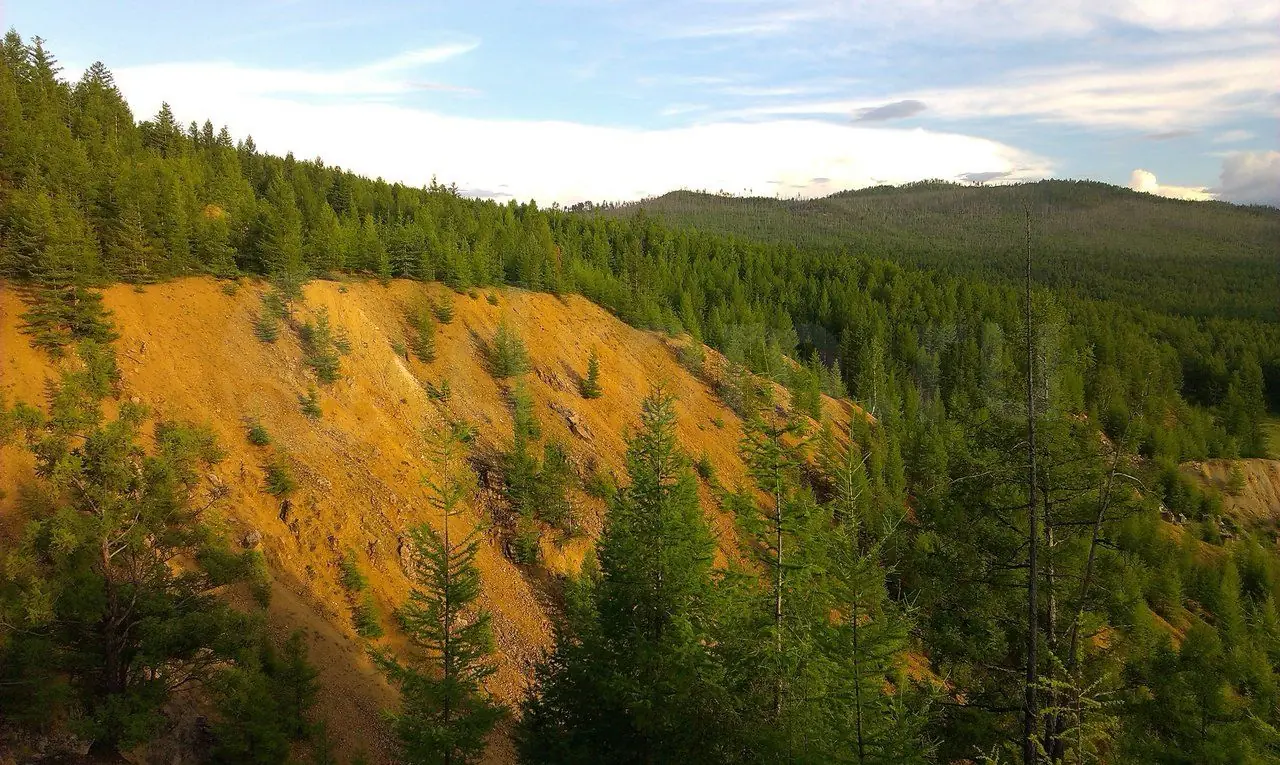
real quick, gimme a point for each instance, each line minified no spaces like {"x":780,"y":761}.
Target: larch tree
{"x":445,"y":713}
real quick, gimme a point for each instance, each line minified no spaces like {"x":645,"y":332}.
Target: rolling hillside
{"x":1103,"y":241}
{"x":187,"y":351}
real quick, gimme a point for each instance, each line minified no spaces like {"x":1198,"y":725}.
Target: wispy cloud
{"x":1169,"y":135}
{"x":387,"y":77}
{"x":412,"y":59}
{"x":1016,"y":19}
{"x":892,"y":111}
{"x":1153,"y":98}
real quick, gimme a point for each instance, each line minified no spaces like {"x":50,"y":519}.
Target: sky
{"x":612,"y":100}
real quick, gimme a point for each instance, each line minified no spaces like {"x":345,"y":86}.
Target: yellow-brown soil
{"x":187,"y":350}
{"x":1257,"y":504}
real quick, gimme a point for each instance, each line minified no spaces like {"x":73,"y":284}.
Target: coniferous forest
{"x":1001,"y":516}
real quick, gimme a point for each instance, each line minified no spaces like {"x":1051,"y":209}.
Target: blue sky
{"x":565,"y":100}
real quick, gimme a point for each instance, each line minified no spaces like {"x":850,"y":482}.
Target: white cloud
{"x":415,"y":58}
{"x":389,"y":76}
{"x":1007,"y":19}
{"x":1168,"y":96}
{"x":1251,"y":177}
{"x":553,"y":161}
{"x":1145,"y":181}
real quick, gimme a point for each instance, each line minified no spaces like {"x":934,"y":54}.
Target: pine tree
{"x":872,"y":632}
{"x":508,"y":356}
{"x":92,"y":608}
{"x":445,"y":714}
{"x":632,"y":678}
{"x":422,"y":331}
{"x":591,"y":383}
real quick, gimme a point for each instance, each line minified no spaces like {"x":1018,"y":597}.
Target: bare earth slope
{"x":1257,"y":504}
{"x":187,"y":350}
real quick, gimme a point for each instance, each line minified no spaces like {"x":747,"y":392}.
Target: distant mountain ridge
{"x":1104,"y":241}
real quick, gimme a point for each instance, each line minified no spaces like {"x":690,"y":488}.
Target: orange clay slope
{"x":187,"y":350}
{"x":1255,"y":504}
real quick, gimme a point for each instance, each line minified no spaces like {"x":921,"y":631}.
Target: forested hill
{"x":1087,"y":565}
{"x":1194,"y":258}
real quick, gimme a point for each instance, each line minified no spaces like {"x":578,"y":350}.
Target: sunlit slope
{"x":187,"y":350}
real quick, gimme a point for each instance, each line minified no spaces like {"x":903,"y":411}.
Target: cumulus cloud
{"x":552,"y":160}
{"x":1251,"y":177}
{"x":1145,"y":181}
{"x":894,"y":111}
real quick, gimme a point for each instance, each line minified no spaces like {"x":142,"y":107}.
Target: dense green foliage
{"x":1098,"y":240}
{"x":89,"y":195}
{"x":663,"y":658}
{"x":98,"y":626}
{"x":1153,"y":340}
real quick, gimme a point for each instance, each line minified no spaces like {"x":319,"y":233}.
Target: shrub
{"x":279,"y":478}
{"x":258,"y":435}
{"x":230,"y":288}
{"x":492,"y":297}
{"x":590,"y":387}
{"x":349,"y":573}
{"x":310,"y":404}
{"x":601,"y":484}
{"x":266,"y":327}
{"x":704,"y":468}
{"x":400,"y":349}
{"x":525,"y":545}
{"x":422,"y":332}
{"x":693,"y":358}
{"x":443,"y":309}
{"x":508,"y":356}
{"x":440,"y":392}
{"x":364,"y":614}
{"x":321,"y":349}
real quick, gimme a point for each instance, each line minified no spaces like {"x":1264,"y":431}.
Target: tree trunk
{"x":1030,"y":707}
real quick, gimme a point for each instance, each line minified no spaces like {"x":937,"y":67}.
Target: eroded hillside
{"x":187,"y":350}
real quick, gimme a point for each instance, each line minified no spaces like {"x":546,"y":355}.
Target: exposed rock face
{"x":252,"y":539}
{"x":575,"y":423}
